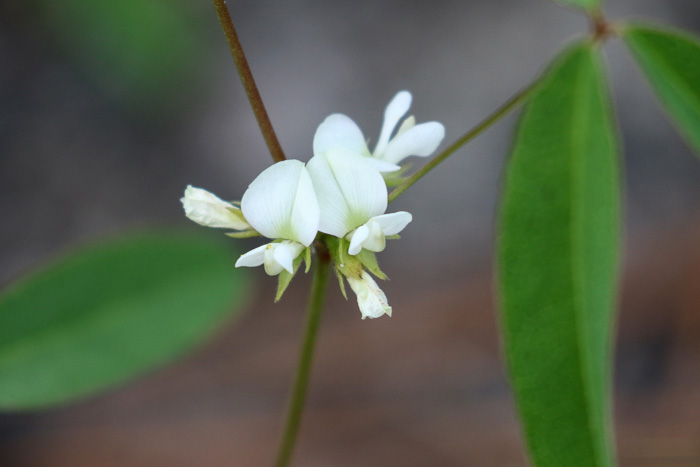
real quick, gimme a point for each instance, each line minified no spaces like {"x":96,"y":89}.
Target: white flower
{"x":352,"y":196}
{"x":370,"y":298}
{"x":280,"y":204}
{"x":339,"y":131}
{"x":210,"y":211}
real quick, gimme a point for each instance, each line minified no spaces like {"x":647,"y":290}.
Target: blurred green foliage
{"x":110,"y":311}
{"x":145,"y":54}
{"x":671,"y":62}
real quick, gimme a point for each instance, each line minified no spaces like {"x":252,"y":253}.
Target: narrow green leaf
{"x":558,"y":253}
{"x":110,"y":311}
{"x":588,"y":5}
{"x":671,"y":63}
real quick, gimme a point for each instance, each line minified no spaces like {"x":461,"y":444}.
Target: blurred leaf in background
{"x":671,"y":62}
{"x":145,"y":54}
{"x":111,"y":311}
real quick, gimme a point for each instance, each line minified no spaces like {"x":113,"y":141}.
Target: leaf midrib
{"x":580,"y":111}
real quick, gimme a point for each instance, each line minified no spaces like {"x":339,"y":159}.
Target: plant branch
{"x":248,"y":82}
{"x":497,"y":115}
{"x":298,"y":396}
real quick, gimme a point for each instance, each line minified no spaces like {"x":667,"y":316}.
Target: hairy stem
{"x":248,"y":82}
{"x":497,"y":115}
{"x":298,"y":396}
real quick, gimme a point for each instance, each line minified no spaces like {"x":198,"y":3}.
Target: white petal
{"x":358,"y":237}
{"x":350,"y":191}
{"x":272,"y":266}
{"x":281,"y":203}
{"x":306,"y":213}
{"x":339,"y":131}
{"x":393,"y":223}
{"x":376,"y":240}
{"x":254,"y":257}
{"x":370,"y":298}
{"x":397,"y":108}
{"x":381,"y":165}
{"x":421,"y":140}
{"x":209,"y":210}
{"x":407,"y":124}
{"x":285,"y":253}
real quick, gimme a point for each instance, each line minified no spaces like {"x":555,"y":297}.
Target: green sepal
{"x":307,"y":259}
{"x":369,"y":261}
{"x":285,"y":277}
{"x":341,"y":282}
{"x":393,"y":237}
{"x":393,"y":179}
{"x":243,"y":234}
{"x":348,"y":265}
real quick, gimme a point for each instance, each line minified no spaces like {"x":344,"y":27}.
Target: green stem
{"x":248,"y":82}
{"x":501,"y":112}
{"x":298,"y":396}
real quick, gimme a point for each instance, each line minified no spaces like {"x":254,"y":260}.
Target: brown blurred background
{"x":92,"y":144}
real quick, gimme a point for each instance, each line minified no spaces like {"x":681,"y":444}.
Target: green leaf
{"x":671,"y":63}
{"x":588,"y":5}
{"x":558,"y":255}
{"x":111,"y":311}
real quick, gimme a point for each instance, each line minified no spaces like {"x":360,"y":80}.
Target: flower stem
{"x":498,"y":114}
{"x":248,"y":82}
{"x":298,"y":396}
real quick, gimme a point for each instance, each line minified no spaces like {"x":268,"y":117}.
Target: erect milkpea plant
{"x":558,"y":247}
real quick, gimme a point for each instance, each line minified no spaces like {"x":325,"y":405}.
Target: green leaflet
{"x":558,"y":255}
{"x":111,"y":311}
{"x":671,"y":63}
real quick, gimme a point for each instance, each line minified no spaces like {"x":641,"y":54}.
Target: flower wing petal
{"x":349,"y":190}
{"x":393,"y":223}
{"x":381,"y":165}
{"x":376,"y":240}
{"x":285,"y":253}
{"x":421,"y":140}
{"x":254,"y":257}
{"x":358,"y":237}
{"x":281,"y":203}
{"x":397,"y":108}
{"x":339,"y":131}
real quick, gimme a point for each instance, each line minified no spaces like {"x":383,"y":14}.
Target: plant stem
{"x":498,"y":114}
{"x":248,"y":82}
{"x":298,"y":396}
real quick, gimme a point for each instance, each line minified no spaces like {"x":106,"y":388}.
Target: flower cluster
{"x":339,"y":198}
